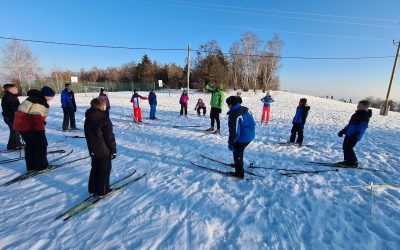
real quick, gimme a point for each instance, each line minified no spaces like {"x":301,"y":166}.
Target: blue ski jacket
{"x":301,"y":115}
{"x":267,"y":101}
{"x":68,"y":99}
{"x":241,"y":125}
{"x":358,"y":123}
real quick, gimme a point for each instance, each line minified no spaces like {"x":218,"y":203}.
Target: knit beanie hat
{"x":47,"y":91}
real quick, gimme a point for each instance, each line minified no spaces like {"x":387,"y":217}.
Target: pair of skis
{"x":219,"y":171}
{"x":93,"y":200}
{"x":21,"y":157}
{"x":51,"y":167}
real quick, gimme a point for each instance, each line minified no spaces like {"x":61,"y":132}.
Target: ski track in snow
{"x":179,"y":206}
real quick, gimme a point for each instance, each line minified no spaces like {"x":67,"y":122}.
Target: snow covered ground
{"x":179,"y":206}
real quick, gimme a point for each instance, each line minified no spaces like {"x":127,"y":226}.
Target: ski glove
{"x":113,"y":156}
{"x":230,"y":147}
{"x":341,"y":133}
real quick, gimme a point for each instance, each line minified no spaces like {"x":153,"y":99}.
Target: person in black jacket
{"x":9,"y":104}
{"x":101,"y":145}
{"x":298,"y":121}
{"x":354,"y":131}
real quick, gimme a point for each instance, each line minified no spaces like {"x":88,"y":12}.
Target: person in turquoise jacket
{"x":217,"y":102}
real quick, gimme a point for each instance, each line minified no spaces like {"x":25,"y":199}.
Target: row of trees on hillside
{"x":378,"y":103}
{"x":250,"y":64}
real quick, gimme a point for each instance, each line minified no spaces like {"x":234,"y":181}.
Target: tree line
{"x":250,"y":64}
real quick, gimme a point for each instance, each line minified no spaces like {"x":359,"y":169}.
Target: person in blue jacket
{"x":266,"y":112}
{"x":298,"y":122}
{"x":153,"y":104}
{"x":241,"y":132}
{"x":69,"y":108}
{"x":354,"y":131}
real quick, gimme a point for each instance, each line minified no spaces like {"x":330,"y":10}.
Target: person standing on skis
{"x":354,"y":131}
{"x":101,"y":145}
{"x":298,"y":122}
{"x":241,"y":132}
{"x":267,"y":99}
{"x":137,"y":111}
{"x":217,"y":103}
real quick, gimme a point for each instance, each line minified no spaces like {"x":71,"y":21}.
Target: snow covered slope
{"x":179,"y":206}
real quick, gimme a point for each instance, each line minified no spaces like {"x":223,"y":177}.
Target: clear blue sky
{"x":312,"y":28}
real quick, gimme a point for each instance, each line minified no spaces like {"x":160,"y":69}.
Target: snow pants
{"x":35,"y":150}
{"x":297,"y":129}
{"x":265,"y":114}
{"x":349,"y":143}
{"x":99,"y":179}
{"x":137,"y":114}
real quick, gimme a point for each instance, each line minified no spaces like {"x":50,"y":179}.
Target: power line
{"x":185,"y":49}
{"x":273,"y":15}
{"x":290,"y":12}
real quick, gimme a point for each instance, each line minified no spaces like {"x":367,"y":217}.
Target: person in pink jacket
{"x":184,"y":102}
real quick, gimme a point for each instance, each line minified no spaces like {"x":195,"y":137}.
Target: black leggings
{"x":183,"y":109}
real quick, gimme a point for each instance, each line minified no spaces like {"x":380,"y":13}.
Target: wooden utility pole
{"x":188,"y":69}
{"x":385,"y":108}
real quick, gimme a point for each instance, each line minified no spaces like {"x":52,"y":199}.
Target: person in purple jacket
{"x":103,"y":95}
{"x":184,"y":100}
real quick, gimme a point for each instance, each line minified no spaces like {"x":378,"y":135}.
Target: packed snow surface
{"x":180,"y":206}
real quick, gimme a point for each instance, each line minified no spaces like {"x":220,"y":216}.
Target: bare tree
{"x":270,"y":63}
{"x":249,"y":48}
{"x":19,"y":64}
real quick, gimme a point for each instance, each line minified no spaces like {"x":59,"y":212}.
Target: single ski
{"x":214,"y":170}
{"x":187,"y":126}
{"x":11,"y":160}
{"x":99,"y":199}
{"x":230,"y":165}
{"x":33,"y":173}
{"x":298,"y":172}
{"x":337,"y":165}
{"x":280,"y":169}
{"x":91,"y":197}
{"x":281,"y":144}
{"x":61,"y":157}
{"x":74,"y":136}
{"x":11,"y":150}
